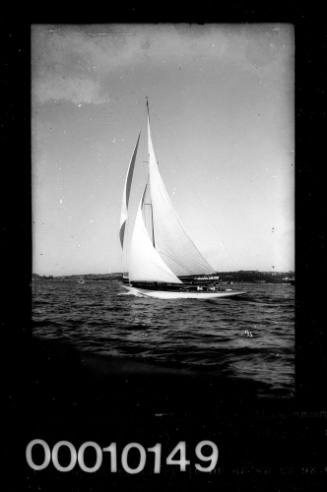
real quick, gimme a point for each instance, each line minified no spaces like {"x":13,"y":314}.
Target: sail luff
{"x":126,"y":194}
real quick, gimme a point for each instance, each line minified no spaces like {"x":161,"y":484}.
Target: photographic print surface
{"x":214,"y":176}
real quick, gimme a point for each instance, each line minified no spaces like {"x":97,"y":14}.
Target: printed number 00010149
{"x":39,"y":456}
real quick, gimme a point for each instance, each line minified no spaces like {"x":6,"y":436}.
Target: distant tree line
{"x":239,"y":276}
{"x":256,"y":276}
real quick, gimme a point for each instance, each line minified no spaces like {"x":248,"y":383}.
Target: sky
{"x":222,"y":119}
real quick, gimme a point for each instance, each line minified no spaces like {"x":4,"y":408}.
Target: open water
{"x":249,"y":337}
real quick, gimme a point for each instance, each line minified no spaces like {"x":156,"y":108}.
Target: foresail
{"x":126,"y":194}
{"x":145,"y":263}
{"x":172,"y":242}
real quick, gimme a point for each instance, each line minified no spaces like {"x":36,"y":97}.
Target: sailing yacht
{"x":162,"y":260}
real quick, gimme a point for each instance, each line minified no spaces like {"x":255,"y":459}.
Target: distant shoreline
{"x":229,"y":277}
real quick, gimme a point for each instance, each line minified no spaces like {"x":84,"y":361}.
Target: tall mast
{"x":147,"y":107}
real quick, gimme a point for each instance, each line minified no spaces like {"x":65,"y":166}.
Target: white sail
{"x":171,"y":240}
{"x":145,"y":263}
{"x":126,"y":194}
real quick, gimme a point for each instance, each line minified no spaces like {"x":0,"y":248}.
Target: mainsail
{"x":126,"y":194}
{"x":145,"y":263}
{"x":172,"y":242}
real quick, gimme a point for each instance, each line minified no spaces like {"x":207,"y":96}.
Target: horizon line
{"x":121,"y":273}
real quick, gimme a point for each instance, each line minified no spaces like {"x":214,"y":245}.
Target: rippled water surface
{"x":247,"y":337}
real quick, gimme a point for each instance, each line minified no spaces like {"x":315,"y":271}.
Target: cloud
{"x":64,"y":66}
{"x":72,"y":63}
{"x":78,"y":90}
